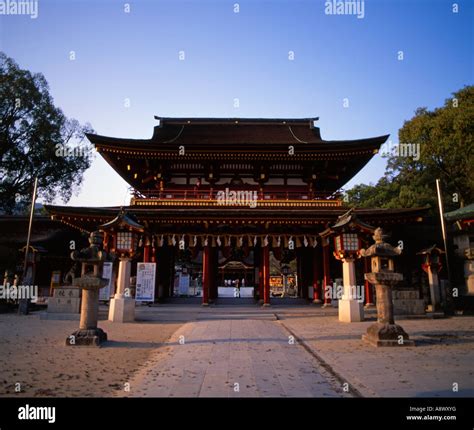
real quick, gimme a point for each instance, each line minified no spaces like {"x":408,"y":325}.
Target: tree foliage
{"x":36,"y":140}
{"x":445,"y":139}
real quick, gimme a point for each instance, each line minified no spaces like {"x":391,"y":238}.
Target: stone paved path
{"x":440,"y":365}
{"x":233,"y":358}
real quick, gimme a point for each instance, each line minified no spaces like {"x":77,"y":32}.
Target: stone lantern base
{"x":92,"y":337}
{"x":380,"y":334}
{"x":122,"y":309}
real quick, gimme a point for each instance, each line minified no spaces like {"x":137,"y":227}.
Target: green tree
{"x":445,"y":139}
{"x":36,"y":139}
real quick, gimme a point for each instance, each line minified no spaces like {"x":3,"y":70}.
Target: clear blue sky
{"x":242,"y":55}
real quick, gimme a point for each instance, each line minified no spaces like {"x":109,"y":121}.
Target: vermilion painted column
{"x":316,"y":285}
{"x":266,"y":276}
{"x":327,"y":275}
{"x":147,"y":253}
{"x":206,"y":275}
{"x":369,"y":295}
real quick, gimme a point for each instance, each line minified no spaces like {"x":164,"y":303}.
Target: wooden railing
{"x":215,"y":197}
{"x":213,"y":193}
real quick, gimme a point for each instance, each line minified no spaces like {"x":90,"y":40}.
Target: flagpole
{"x":445,"y":241}
{"x":23,"y":303}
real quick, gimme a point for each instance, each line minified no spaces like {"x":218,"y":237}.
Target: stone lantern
{"x":125,"y":232}
{"x":346,"y":234}
{"x":384,"y":332}
{"x":346,"y":249}
{"x":432,"y":266}
{"x":92,"y":262}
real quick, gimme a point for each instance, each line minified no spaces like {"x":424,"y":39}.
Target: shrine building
{"x":243,"y":208}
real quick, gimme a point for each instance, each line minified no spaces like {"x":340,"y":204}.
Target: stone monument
{"x":384,"y":332}
{"x":66,"y":298}
{"x":92,"y":261}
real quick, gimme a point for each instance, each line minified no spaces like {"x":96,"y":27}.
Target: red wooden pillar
{"x":206,"y":275}
{"x":266,"y":275}
{"x":369,"y":294}
{"x":316,"y":285}
{"x":147,"y":252}
{"x":327,"y":275}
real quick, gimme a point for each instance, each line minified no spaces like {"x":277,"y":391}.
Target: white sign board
{"x":104,"y":293}
{"x":183,"y":286}
{"x":146,"y":273}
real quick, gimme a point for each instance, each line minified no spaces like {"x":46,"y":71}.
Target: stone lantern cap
{"x":346,"y":223}
{"x":380,"y":248}
{"x":123,"y":220}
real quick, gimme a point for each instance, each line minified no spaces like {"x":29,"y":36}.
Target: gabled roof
{"x":243,"y":140}
{"x":250,"y":132}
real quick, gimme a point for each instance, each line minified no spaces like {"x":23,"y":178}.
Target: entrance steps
{"x":182,"y":300}
{"x":289,"y":301}
{"x":231,"y":301}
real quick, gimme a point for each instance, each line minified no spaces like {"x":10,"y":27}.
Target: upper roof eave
{"x":324,"y":145}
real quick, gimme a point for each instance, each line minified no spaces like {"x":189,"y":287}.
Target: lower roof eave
{"x":87,"y":219}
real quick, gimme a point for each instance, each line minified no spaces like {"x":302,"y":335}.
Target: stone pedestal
{"x":381,"y":334}
{"x":351,"y":307}
{"x":350,"y":310}
{"x":88,"y":334}
{"x":122,"y":306}
{"x":385,"y":332}
{"x":122,"y":309}
{"x":92,"y":337}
